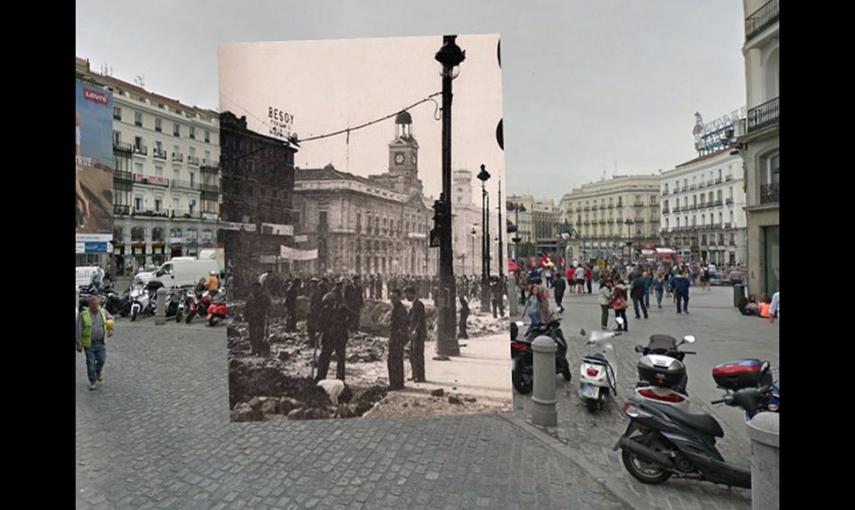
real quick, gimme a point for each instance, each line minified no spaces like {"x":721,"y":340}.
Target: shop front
{"x":119,"y":258}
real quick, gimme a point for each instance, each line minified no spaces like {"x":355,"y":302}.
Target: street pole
{"x":501,"y":227}
{"x":450,"y":56}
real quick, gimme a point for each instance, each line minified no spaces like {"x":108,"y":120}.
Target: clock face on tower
{"x":399,"y":158}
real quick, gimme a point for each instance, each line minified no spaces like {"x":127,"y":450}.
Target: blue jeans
{"x":96,"y":356}
{"x":534,"y":317}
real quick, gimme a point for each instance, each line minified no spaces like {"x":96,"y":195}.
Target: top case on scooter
{"x":661,"y":370}
{"x":744,"y":373}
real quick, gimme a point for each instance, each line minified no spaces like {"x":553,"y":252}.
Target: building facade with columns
{"x":760,"y":144}
{"x":613,"y":218}
{"x":166,"y":183}
{"x":537,"y":227}
{"x":702,"y":209}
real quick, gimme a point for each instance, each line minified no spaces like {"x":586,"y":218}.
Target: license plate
{"x":590,"y":391}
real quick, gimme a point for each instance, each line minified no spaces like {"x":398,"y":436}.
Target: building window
{"x":192,"y":179}
{"x":322,"y":221}
{"x":703,"y":219}
{"x":117,"y":113}
{"x":138,"y":143}
{"x":192,"y":133}
{"x":192,"y":206}
{"x":117,"y":138}
{"x":207,"y":137}
{"x":720,"y":218}
{"x":138,"y":119}
{"x":138,"y":168}
{"x":157,"y":202}
{"x":138,"y":203}
{"x":158,"y":125}
{"x":176,"y":130}
{"x":158,"y":171}
{"x":731,"y":219}
{"x":774,"y":169}
{"x":176,"y":207}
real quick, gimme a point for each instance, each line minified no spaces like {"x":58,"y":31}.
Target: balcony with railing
{"x":718,"y":180}
{"x":158,"y":153}
{"x":763,"y":115}
{"x":185,"y":213}
{"x":728,"y":201}
{"x":770,"y":193}
{"x":761,"y":19}
{"x":151,"y":180}
{"x":717,"y":203}
{"x":728,"y":178}
{"x":177,"y":157}
{"x":140,"y":150}
{"x":193,"y":160}
{"x":121,"y":210}
{"x":208,"y":166}
{"x":728,"y":224}
{"x":676,"y":208}
{"x":182,"y":184}
{"x":123,"y":177}
{"x":122,"y":147}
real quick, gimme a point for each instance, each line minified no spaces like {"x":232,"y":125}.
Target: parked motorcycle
{"x":662,"y":375}
{"x":598,"y":378}
{"x":522,"y":374}
{"x":144,"y":299}
{"x":218,"y":309}
{"x":174,"y":303}
{"x":662,"y":441}
{"x":733,"y":376}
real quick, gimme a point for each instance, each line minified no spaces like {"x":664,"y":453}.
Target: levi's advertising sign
{"x":94,"y":162}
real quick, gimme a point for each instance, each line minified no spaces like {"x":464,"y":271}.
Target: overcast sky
{"x":585,"y":83}
{"x":324,"y":84}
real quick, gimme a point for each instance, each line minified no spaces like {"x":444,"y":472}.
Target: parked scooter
{"x":662,"y":441}
{"x":734,"y":376}
{"x":598,"y":378}
{"x":522,"y":374}
{"x":217,"y":310}
{"x":174,"y":304}
{"x":140,"y":300}
{"x":662,"y":375}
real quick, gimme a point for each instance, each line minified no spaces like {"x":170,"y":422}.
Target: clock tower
{"x":403,"y":154}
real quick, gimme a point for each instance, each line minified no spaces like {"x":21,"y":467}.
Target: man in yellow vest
{"x":94,"y":325}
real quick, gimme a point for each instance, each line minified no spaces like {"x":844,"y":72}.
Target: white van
{"x":184,"y":271}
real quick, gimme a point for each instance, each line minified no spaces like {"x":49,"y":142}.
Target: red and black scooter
{"x":217,"y":309}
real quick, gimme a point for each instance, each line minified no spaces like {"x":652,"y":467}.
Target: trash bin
{"x":738,"y":293}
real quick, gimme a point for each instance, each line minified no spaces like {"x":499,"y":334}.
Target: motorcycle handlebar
{"x":719,"y":401}
{"x":689,"y":352}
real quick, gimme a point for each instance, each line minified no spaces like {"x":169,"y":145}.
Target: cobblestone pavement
{"x":157,"y":435}
{"x":722,"y":335}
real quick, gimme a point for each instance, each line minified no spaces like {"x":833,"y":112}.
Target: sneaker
{"x":99,"y":378}
{"x":687,"y":312}
{"x":646,"y":317}
{"x":92,"y":386}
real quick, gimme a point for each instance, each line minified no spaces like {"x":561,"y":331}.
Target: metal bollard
{"x":543,"y":399}
{"x":512,"y":298}
{"x":764,"y":431}
{"x":160,"y":305}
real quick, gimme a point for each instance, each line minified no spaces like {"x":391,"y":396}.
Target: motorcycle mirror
{"x":639,"y":348}
{"x":689,"y":339}
{"x":582,"y":332}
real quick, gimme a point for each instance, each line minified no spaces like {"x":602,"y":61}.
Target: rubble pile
{"x":399,"y":404}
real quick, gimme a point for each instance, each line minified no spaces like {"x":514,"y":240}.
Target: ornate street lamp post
{"x":485,"y":241}
{"x":450,"y":56}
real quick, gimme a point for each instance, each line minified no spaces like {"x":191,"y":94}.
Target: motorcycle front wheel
{"x":189,"y":318}
{"x":521,"y":378}
{"x":642,"y":470}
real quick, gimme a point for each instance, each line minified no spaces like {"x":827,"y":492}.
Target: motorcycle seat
{"x":698,"y":421}
{"x":596,"y":357}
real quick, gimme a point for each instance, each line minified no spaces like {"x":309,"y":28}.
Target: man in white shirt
{"x":775,"y":307}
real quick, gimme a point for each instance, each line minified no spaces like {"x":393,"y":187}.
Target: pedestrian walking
{"x":705,"y":278}
{"x":558,"y":291}
{"x":637,"y":294}
{"x":659,"y":288}
{"x":94,"y":326}
{"x":647,"y":280}
{"x":579,"y":274}
{"x":680,"y":284}
{"x":397,"y":339}
{"x":315,"y":319}
{"x":333,"y":337}
{"x":620,"y":304}
{"x":354,"y":302}
{"x":418,"y":332}
{"x":606,"y":297}
{"x":775,"y":307}
{"x":291,"y":305}
{"x":464,"y":316}
{"x":589,"y":277}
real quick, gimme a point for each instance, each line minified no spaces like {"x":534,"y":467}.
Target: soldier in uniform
{"x":464,"y":315}
{"x":354,"y":301}
{"x":418,"y":330}
{"x":257,"y":310}
{"x":334,"y":336}
{"x":291,"y":305}
{"x":397,"y":339}
{"x":315,"y":311}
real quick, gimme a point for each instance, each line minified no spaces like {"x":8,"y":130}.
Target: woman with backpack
{"x":619,"y":303}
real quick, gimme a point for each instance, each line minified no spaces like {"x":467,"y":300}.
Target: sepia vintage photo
{"x":358,"y":226}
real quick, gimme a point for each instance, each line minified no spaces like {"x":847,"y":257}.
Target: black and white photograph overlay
{"x":362,"y":185}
